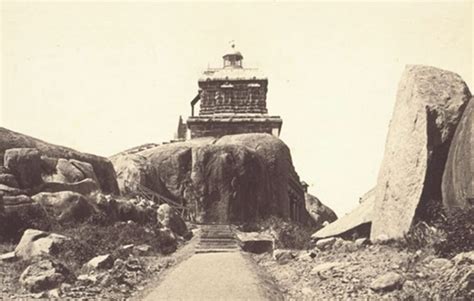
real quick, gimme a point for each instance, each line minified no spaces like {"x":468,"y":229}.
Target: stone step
{"x":217,"y":238}
{"x":213,"y":239}
{"x":217,"y":232}
{"x":217,"y":246}
{"x":215,"y":251}
{"x":217,"y":241}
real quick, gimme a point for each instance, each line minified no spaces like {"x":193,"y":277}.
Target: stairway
{"x":217,"y":238}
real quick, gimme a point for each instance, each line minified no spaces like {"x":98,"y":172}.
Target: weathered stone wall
{"x":296,"y":194}
{"x":218,"y":128}
{"x":243,"y":96}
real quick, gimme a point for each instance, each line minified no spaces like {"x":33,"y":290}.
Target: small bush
{"x":459,"y":233}
{"x":13,"y":224}
{"x":249,"y":227}
{"x":90,"y":240}
{"x":445,"y":233}
{"x":421,"y":236}
{"x":74,"y":253}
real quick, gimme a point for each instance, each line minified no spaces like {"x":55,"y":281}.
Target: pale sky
{"x":102,"y":77}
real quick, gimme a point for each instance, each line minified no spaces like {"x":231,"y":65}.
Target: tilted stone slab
{"x":429,"y":105}
{"x":359,"y":216}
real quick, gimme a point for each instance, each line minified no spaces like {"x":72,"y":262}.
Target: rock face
{"x":233,"y":178}
{"x":66,"y":205}
{"x":319,"y":212}
{"x":102,"y":167}
{"x":25,"y":164}
{"x":132,"y":171}
{"x":429,"y":105}
{"x":458,"y":178}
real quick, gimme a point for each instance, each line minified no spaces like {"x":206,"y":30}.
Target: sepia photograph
{"x":236,"y":150}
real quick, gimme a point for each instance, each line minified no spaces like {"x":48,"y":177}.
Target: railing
{"x":159,"y":199}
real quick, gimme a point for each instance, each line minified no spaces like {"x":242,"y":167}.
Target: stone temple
{"x":232,"y":101}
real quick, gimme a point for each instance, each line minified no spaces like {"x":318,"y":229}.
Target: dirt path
{"x":211,"y":276}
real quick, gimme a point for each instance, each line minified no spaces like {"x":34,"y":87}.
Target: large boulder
{"x":68,"y":171}
{"x":319,"y":212}
{"x":35,"y":243}
{"x":429,"y":105}
{"x":71,"y":171}
{"x":232,"y":178}
{"x":86,"y":168}
{"x":168,"y":242}
{"x":25,"y":164}
{"x":169,"y":218}
{"x":67,"y":206}
{"x":133,"y":171}
{"x":103,"y":168}
{"x":458,"y":178}
{"x":45,"y":275}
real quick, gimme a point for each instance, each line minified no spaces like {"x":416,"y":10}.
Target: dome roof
{"x":233,"y":53}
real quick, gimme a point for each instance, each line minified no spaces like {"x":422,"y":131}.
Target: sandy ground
{"x":211,"y":276}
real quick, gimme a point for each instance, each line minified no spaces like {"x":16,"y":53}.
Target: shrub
{"x":459,"y":233}
{"x":445,"y":233}
{"x":74,"y":253}
{"x":14,"y":223}
{"x":421,"y":236}
{"x":90,"y":240}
